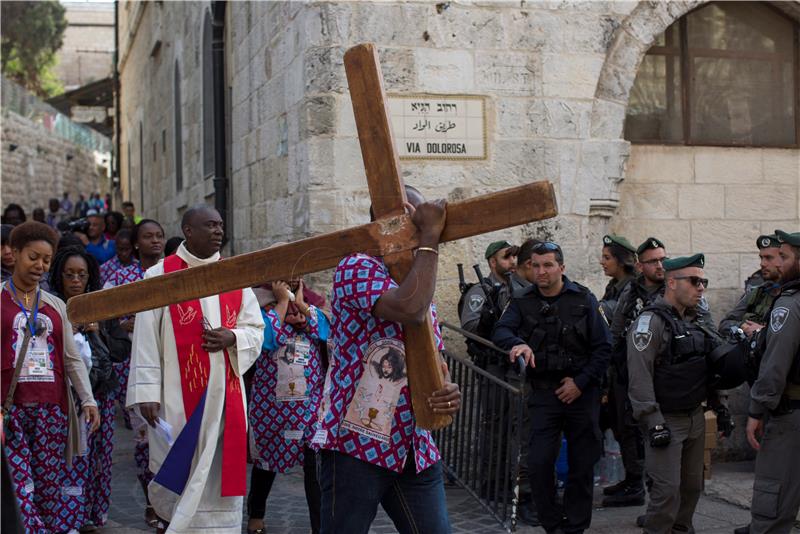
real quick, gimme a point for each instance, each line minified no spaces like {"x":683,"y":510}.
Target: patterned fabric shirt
{"x":370,"y":415}
{"x":113,"y":273}
{"x":280,"y":425}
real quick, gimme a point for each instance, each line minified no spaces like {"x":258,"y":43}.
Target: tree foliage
{"x":30,"y":35}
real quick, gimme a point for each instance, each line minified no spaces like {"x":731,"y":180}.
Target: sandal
{"x":150,"y":517}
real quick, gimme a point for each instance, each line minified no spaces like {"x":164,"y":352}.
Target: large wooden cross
{"x":392,"y":235}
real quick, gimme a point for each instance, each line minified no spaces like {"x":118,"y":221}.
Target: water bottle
{"x":614,"y":469}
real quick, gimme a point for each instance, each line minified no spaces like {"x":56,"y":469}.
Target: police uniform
{"x":668,"y":382}
{"x":614,"y":287}
{"x":632,"y":300}
{"x":776,"y":490}
{"x":756,"y":303}
{"x":492,"y":448}
{"x":568,"y":338}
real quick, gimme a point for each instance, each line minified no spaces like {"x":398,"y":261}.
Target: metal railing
{"x":481,"y":448}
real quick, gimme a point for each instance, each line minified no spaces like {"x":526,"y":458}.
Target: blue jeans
{"x":352,"y":490}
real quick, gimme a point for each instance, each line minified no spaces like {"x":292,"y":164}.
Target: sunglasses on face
{"x":694,"y":280}
{"x":654,"y":261}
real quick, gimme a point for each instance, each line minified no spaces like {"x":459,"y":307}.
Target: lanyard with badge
{"x":37,"y":366}
{"x":30,"y":332}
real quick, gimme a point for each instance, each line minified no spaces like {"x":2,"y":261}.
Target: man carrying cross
{"x":186,"y":367}
{"x":374,"y":451}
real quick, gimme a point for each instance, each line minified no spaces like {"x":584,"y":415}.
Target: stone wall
{"x":87,"y":54}
{"x":711,"y":200}
{"x":37,"y":163}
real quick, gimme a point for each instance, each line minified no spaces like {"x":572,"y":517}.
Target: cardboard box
{"x":711,"y":431}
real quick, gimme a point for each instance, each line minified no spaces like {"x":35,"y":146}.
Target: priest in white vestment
{"x":158,"y":386}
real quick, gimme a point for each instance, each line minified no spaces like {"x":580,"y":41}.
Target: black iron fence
{"x":481,"y":449}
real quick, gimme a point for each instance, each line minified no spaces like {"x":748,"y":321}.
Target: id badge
{"x":38,"y":362}
{"x":302,"y":352}
{"x":37,"y":366}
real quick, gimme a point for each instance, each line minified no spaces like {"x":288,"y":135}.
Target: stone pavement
{"x":723,"y":508}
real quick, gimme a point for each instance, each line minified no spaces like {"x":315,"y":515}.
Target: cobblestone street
{"x":720,"y":510}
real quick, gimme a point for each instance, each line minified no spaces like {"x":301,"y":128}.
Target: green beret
{"x":649,"y":243}
{"x":612,"y":239}
{"x":786,"y":237}
{"x":673,"y":264}
{"x":492,"y":249}
{"x":767,"y":241}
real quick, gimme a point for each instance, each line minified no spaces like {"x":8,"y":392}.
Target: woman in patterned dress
{"x":148,"y":246}
{"x":124,"y":266}
{"x":75,"y":272}
{"x":285,"y":397}
{"x":42,"y":426}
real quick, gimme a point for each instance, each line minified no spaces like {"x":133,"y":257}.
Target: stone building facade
{"x":557,"y":77}
{"x":44,"y":154}
{"x":87,"y":52}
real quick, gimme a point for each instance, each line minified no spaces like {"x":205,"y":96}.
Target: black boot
{"x":742,"y":530}
{"x":632,"y":494}
{"x":615,"y":488}
{"x":527,"y":514}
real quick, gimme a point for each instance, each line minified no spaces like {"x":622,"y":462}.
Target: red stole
{"x":194,"y":362}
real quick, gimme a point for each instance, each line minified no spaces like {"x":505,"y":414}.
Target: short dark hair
{"x":548,"y":247}
{"x":124,"y":234}
{"x":31,"y":231}
{"x":69,"y":240}
{"x":172,"y":245}
{"x":127,"y":204}
{"x":526,"y":250}
{"x":14,"y":207}
{"x":117,"y":216}
{"x":57,"y":270}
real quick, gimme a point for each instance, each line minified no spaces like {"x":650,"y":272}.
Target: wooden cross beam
{"x":392,"y":235}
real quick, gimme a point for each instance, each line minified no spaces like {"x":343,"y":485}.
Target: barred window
{"x":724,"y":74}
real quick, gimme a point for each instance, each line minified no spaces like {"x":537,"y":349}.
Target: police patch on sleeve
{"x":778,"y":318}
{"x":475,"y":303}
{"x":642,"y":335}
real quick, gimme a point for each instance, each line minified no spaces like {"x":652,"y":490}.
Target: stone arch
{"x":631,"y":41}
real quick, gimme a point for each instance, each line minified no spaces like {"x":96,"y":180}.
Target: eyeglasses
{"x":654,"y":261}
{"x":694,"y":280}
{"x":76,"y":276}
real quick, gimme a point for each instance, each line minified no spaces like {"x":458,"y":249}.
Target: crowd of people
{"x":323,"y":385}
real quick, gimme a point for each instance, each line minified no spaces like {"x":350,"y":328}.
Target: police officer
{"x":667,"y":368}
{"x":618,"y":262}
{"x":640,"y":292}
{"x":776,"y":490}
{"x":555,"y":326}
{"x":752,"y":310}
{"x":479,"y":314}
{"x":480,"y":311}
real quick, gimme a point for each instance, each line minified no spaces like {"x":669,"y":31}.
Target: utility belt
{"x":546,"y":382}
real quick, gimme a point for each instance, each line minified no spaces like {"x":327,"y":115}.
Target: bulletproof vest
{"x":639,"y":301}
{"x":680,"y":376}
{"x":558,"y":332}
{"x":759,"y":305}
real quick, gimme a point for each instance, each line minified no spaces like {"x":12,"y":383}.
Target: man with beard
{"x":187,"y":363}
{"x":751,"y":313}
{"x":776,"y":490}
{"x":667,"y":351}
